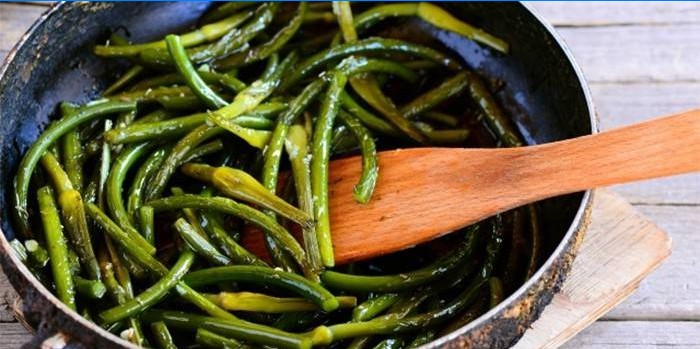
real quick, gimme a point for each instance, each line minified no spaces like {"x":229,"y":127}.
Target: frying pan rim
{"x":576,"y":224}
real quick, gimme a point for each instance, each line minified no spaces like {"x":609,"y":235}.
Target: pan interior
{"x":541,"y":89}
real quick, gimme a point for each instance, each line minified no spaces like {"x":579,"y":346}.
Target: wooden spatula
{"x":424,"y":193}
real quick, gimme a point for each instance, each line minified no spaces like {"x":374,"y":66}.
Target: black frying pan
{"x":544,"y":91}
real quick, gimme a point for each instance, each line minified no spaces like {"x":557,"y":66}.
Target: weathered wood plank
{"x":624,"y":104}
{"x":7,"y":295}
{"x":638,"y":335}
{"x":620,"y":248}
{"x":15,"y":19}
{"x":599,"y":13}
{"x":671,"y":292}
{"x":13,"y":335}
{"x":636,"y":53}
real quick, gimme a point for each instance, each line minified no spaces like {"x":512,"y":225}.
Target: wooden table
{"x":641,"y":60}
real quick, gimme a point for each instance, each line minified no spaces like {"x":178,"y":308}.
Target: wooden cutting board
{"x":620,"y":248}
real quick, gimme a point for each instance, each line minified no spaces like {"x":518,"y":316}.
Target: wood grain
{"x":638,"y":335}
{"x":620,"y":248}
{"x":7,"y":294}
{"x":15,"y":19}
{"x":12,"y":335}
{"x":610,"y":13}
{"x":666,"y":53}
{"x":671,"y":292}
{"x":624,"y":104}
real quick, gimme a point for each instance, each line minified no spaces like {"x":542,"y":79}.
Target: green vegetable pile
{"x":134,"y":208}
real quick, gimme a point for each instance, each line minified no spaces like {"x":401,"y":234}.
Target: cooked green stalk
{"x":138,"y":183}
{"x":373,"y":45}
{"x":493,"y":115}
{"x":45,"y":140}
{"x":154,"y":293}
{"x":114,"y":187}
{"x":428,"y":100}
{"x":343,"y":13}
{"x":298,"y":321}
{"x":269,"y":225}
{"x":72,"y":152}
{"x":318,"y":16}
{"x":298,"y":151}
{"x":263,"y":51}
{"x":240,"y":185}
{"x":225,"y":10}
{"x":390,"y":343}
{"x":404,"y":281}
{"x":58,"y":249}
{"x":442,"y":118}
{"x":320,"y":156}
{"x":392,"y":325}
{"x":535,"y":242}
{"x":124,"y":80}
{"x":367,"y":118}
{"x":256,"y":302}
{"x":370,"y":92}
{"x":229,"y":82}
{"x":37,"y":255}
{"x":432,"y":14}
{"x":162,"y":335}
{"x":447,"y":137}
{"x":234,"y":328}
{"x":265,"y":276}
{"x":177,"y":154}
{"x":374,"y":306}
{"x":206,"y":33}
{"x":71,"y":203}
{"x":91,"y":289}
{"x":494,"y":246}
{"x":228,"y":43}
{"x":273,"y":154}
{"x":212,"y":340}
{"x":166,"y":95}
{"x":495,"y":291}
{"x":152,"y":264}
{"x":370,"y":168}
{"x":200,"y":244}
{"x":212,"y":223}
{"x":147,"y":224}
{"x":114,"y":289}
{"x":251,"y":97}
{"x":177,"y":127}
{"x":443,"y":20}
{"x":272,"y":157}
{"x":422,"y":338}
{"x":212,"y":147}
{"x":123,"y":279}
{"x":256,"y":138}
{"x":192,"y":78}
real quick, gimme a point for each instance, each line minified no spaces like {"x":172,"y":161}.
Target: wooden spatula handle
{"x":657,"y":148}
